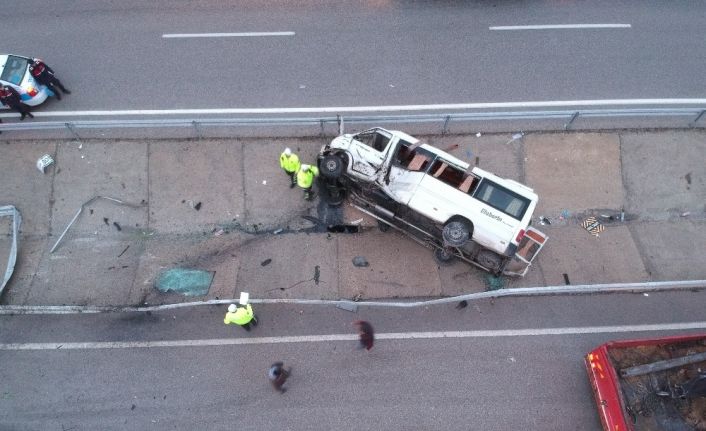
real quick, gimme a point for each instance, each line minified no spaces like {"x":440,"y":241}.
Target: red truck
{"x":650,"y":384}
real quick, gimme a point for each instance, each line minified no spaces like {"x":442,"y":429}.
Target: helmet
{"x":305,"y":167}
{"x":232,"y":308}
{"x":287,"y":152}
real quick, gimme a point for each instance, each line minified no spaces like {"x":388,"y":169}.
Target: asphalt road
{"x":529,"y":376}
{"x":365,"y":53}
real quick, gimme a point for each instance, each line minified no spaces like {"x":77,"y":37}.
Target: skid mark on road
{"x":351,"y":337}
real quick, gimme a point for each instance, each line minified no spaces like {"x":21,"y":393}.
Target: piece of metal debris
{"x":80,"y":210}
{"x":278,"y":231}
{"x":117,"y":226}
{"x":10,"y":210}
{"x":124,"y":250}
{"x":44,"y":161}
{"x":265,"y":262}
{"x":348,"y":306}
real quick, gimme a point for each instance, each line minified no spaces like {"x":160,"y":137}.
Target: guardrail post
{"x":698,"y":117}
{"x":446,"y":124}
{"x":73,"y":131}
{"x":196,"y":129}
{"x":339,"y":119}
{"x":573,"y":117}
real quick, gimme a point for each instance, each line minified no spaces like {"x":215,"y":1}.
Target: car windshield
{"x":14,"y":70}
{"x":502,"y":199}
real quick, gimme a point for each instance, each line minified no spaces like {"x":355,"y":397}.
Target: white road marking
{"x":351,"y":337}
{"x":384,"y":108}
{"x":558,"y":26}
{"x":251,"y":34}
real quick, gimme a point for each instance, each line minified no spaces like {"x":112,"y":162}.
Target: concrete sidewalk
{"x":658,"y":178}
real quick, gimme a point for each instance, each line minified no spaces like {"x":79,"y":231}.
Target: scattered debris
{"x":360,"y":262}
{"x":80,"y":210}
{"x":189,"y":282}
{"x":356,"y":222}
{"x":494,"y":283}
{"x":317,"y":274}
{"x":192,"y":204}
{"x":451,"y":147}
{"x":44,"y":161}
{"x":10,"y":210}
{"x":685,"y":214}
{"x":515,"y":137}
{"x":278,"y":231}
{"x":218,"y":232}
{"x":124,"y":250}
{"x":593,"y":226}
{"x":264,"y":182}
{"x":544,"y":220}
{"x":133,"y":407}
{"x":106,"y":221}
{"x":348,"y":306}
{"x":117,"y":226}
{"x":478,"y":135}
{"x":462,"y":304}
{"x":343,"y":228}
{"x":645,"y":294}
{"x":358,"y":297}
{"x":265,"y":262}
{"x":564,"y":215}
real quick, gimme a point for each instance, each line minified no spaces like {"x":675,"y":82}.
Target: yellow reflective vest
{"x":306,"y":178}
{"x":241,"y":316}
{"x":290,"y":163}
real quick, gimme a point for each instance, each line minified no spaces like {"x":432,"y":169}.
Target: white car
{"x":466,"y":204}
{"x":14,"y":72}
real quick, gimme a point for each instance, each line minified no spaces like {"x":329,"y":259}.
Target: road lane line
{"x":250,"y":34}
{"x":383,"y":108}
{"x":351,"y":337}
{"x":558,"y":26}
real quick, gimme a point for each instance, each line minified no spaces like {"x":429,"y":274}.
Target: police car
{"x":14,"y":72}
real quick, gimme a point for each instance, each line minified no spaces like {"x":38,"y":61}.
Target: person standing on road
{"x":366,"y":334}
{"x":289,"y":162}
{"x":45,"y":76}
{"x":278,"y":376}
{"x":10,"y":97}
{"x":305,"y":179}
{"x":240,"y":315}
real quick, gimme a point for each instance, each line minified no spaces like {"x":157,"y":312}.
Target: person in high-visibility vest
{"x":305,"y":179}
{"x":289,"y":162}
{"x":242,"y":316}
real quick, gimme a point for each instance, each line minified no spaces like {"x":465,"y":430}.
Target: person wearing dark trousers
{"x":10,"y":97}
{"x":278,"y":376}
{"x":44,"y":75}
{"x":366,"y":334}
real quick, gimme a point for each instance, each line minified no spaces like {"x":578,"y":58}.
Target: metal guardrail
{"x":446,"y":122}
{"x":584,"y":289}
